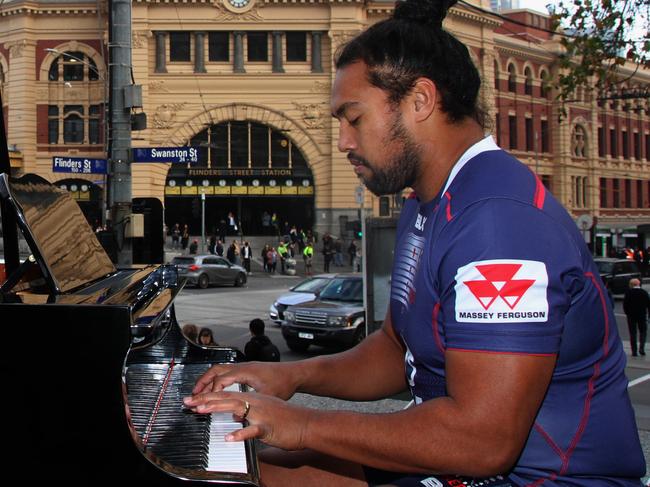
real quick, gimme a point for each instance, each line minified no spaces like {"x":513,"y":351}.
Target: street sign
{"x":181,"y":155}
{"x":79,"y":165}
{"x":358,"y":194}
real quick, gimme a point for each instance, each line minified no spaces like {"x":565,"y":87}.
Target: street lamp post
{"x":104,"y":81}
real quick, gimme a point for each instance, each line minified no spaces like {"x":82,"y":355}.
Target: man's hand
{"x":274,"y":379}
{"x":270,"y":419}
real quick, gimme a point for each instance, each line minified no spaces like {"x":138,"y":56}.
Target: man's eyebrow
{"x":340,"y":111}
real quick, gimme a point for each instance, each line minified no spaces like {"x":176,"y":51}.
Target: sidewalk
{"x":257,"y":268}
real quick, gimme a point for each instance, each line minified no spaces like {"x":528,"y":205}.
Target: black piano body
{"x":89,"y":354}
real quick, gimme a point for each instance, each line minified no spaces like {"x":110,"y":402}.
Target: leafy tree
{"x":600,"y":37}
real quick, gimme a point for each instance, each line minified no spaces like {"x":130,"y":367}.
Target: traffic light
{"x":357,"y":229}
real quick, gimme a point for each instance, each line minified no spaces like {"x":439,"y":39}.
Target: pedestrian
{"x":194,"y":246}
{"x":308,"y":255}
{"x":185,"y":237}
{"x":206,"y":338}
{"x":247,"y":254}
{"x":338,"y":252}
{"x":328,"y":252}
{"x":264,"y":253}
{"x":352,"y":252}
{"x":212,"y":246}
{"x":282,"y":252}
{"x":271,"y":259}
{"x":176,"y":236}
{"x":260,"y":347}
{"x":231,"y":254}
{"x":219,"y":248}
{"x":496,"y":321}
{"x":636,"y":305}
{"x":191,"y":332}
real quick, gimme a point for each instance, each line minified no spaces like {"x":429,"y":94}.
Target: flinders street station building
{"x":247,"y":83}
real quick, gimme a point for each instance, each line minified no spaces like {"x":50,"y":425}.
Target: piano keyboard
{"x":172,"y":432}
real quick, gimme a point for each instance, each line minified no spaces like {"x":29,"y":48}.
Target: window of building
{"x":626,"y":145}
{"x":73,"y":66}
{"x":579,"y":185}
{"x":616,"y":192}
{"x":637,"y":146}
{"x":628,"y":193}
{"x":601,"y":142}
{"x":498,"y":128}
{"x":530,"y":142}
{"x":219,"y":46}
{"x":547,"y":180}
{"x":546,"y":85}
{"x":528,"y":86}
{"x":180,"y":46}
{"x":579,"y":142}
{"x":512,"y":78}
{"x":73,"y":124}
{"x":296,"y":46}
{"x":496,"y":75}
{"x":546,"y":136}
{"x":613,"y":149}
{"x":603,"y":192}
{"x":512,"y":125}
{"x":53,"y":124}
{"x":258,"y":46}
{"x":229,"y":146}
{"x":94,"y":124}
{"x":639,"y":193}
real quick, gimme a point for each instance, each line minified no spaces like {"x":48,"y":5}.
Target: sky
{"x":538,"y":5}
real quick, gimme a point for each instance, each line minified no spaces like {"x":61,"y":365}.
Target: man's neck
{"x":441,"y":152}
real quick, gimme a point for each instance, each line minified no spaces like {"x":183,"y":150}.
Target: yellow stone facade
{"x":180,"y":102}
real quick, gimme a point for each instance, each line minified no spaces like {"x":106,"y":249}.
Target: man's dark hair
{"x":412,"y":44}
{"x":256,"y":326}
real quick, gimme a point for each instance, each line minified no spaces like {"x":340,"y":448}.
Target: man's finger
{"x":248,"y":433}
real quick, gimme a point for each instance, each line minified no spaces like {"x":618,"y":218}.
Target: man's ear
{"x":424,"y":99}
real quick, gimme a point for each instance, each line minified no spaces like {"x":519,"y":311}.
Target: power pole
{"x":120,"y":125}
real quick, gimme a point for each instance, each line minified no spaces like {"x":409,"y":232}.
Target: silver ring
{"x":247,"y":408}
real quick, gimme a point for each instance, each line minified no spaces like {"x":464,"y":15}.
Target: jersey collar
{"x":483,"y":145}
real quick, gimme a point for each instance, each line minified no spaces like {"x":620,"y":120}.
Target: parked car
{"x":205,"y":270}
{"x":302,"y":292}
{"x":336,"y":317}
{"x":617,"y":272}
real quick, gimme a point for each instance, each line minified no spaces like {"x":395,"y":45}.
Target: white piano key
{"x":225,"y":456}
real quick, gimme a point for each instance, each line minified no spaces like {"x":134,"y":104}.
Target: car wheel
{"x":359,"y":335}
{"x":240,"y":280}
{"x":204,"y":281}
{"x":297,"y":345}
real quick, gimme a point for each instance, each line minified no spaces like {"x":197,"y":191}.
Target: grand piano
{"x":95,"y":365}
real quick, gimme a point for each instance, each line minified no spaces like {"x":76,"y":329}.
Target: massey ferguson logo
{"x":510,"y":291}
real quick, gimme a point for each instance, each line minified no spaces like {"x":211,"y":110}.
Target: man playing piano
{"x":498,"y":322}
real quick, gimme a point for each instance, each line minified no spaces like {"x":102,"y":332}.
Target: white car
{"x":302,"y":292}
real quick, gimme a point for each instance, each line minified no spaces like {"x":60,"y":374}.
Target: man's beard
{"x":402,"y":169}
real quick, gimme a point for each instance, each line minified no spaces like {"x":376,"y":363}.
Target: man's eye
{"x":355,"y":121}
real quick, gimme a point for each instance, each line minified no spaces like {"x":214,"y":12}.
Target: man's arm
{"x":371,"y":370}
{"x":479,"y":429}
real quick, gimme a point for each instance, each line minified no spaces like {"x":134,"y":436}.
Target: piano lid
{"x":57,"y":232}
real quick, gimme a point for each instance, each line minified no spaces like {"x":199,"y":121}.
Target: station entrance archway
{"x":245,"y":168}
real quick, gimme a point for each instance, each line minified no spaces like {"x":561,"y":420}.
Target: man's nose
{"x":347,"y":142}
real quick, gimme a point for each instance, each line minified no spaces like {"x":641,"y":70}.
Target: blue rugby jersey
{"x":495,"y":264}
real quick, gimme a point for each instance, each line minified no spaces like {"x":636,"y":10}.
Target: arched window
{"x":2,"y":83}
{"x":82,"y":123}
{"x":528,"y":87}
{"x":512,"y":78}
{"x":579,"y":141}
{"x":247,"y":144}
{"x":546,"y":84}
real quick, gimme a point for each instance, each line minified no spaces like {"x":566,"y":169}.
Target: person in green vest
{"x":307,"y":255}
{"x":282,"y":252}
